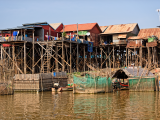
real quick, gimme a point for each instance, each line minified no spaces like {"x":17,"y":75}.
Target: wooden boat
{"x":61,"y":89}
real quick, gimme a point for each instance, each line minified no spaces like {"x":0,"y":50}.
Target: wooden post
{"x":148,"y":57}
{"x":141,"y":56}
{"x":96,"y":58}
{"x":101,"y":58}
{"x":63,"y":67}
{"x":57,"y":59}
{"x":126,"y":56}
{"x":70,"y":55}
{"x":113,"y":57}
{"x":84,"y":59}
{"x":1,"y":52}
{"x":109,"y":57}
{"x":33,"y":53}
{"x":24,"y":57}
{"x":77,"y":58}
{"x":21,"y":34}
{"x":77,"y":31}
{"x":24,"y":35}
{"x":13,"y":54}
{"x":42,"y":67}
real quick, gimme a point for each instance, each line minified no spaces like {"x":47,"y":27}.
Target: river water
{"x":118,"y":105}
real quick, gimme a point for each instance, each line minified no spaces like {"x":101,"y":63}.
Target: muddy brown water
{"x":119,"y":105}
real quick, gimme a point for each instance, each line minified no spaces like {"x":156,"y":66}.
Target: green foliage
{"x":64,"y":34}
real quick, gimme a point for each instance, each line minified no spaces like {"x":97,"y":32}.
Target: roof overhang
{"x":21,"y":27}
{"x":37,"y":23}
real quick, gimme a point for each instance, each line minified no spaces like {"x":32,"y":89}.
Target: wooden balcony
{"x":17,"y":38}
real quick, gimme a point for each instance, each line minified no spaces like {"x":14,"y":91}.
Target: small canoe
{"x":68,"y":88}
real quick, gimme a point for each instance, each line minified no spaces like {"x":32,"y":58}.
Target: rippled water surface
{"x":63,"y":106}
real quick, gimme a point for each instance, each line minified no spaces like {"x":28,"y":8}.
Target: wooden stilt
{"x":113,"y":58}
{"x":63,"y":67}
{"x":101,"y":58}
{"x":13,"y":54}
{"x":24,"y":57}
{"x":84,"y":59}
{"x":77,"y":58}
{"x":70,"y":55}
{"x":57,"y":69}
{"x":33,"y":54}
{"x":109,"y":57}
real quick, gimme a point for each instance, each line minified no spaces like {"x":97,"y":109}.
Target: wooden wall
{"x":37,"y":82}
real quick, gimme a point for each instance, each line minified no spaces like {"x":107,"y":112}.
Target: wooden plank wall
{"x":38,"y":82}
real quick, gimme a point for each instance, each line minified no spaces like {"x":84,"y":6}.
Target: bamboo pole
{"x":70,"y":55}
{"x":57,"y":59}
{"x":77,"y":58}
{"x":63,"y":67}
{"x":113,"y":57}
{"x":126,"y":57}
{"x":84,"y":59}
{"x":101,"y":58}
{"x":24,"y":57}
{"x":33,"y":53}
{"x":13,"y":54}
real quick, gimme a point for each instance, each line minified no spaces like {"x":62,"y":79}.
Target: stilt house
{"x":88,"y":31}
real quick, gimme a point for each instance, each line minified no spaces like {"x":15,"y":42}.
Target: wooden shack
{"x":88,"y":31}
{"x":146,"y":44}
{"x":139,"y":79}
{"x":113,"y":43}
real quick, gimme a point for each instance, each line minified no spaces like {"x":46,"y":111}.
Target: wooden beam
{"x":12,"y":61}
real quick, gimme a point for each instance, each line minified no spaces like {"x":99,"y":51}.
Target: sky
{"x":105,"y":12}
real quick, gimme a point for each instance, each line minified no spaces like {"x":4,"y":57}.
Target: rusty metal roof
{"x":103,"y":28}
{"x":149,"y":32}
{"x":121,"y":28}
{"x":73,"y":27}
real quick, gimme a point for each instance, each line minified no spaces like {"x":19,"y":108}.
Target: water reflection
{"x":65,"y":105}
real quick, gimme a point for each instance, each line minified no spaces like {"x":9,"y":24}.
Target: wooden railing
{"x":16,"y":38}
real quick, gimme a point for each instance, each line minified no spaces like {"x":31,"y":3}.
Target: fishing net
{"x":89,"y":82}
{"x":143,"y":84}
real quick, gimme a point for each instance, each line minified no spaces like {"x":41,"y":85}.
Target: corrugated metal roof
{"x":37,"y":23}
{"x":73,"y":27}
{"x":121,"y":28}
{"x":55,"y":25}
{"x":21,"y":27}
{"x":149,"y":32}
{"x":103,"y":28}
{"x":130,"y":72}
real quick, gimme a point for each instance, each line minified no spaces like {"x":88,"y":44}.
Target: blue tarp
{"x":15,"y":33}
{"x":90,"y":47}
{"x":79,"y":41}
